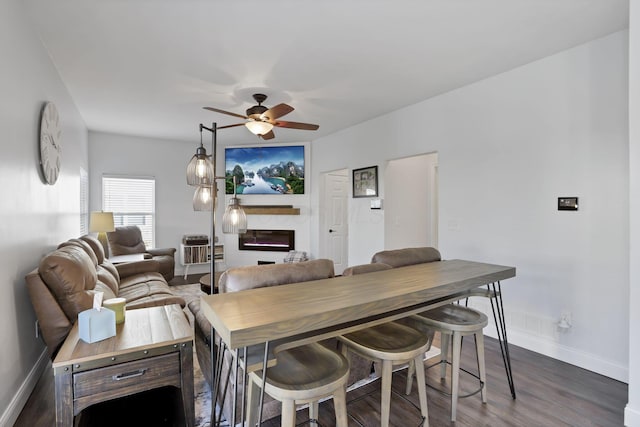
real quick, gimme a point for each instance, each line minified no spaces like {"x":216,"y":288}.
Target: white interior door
{"x":334,"y":219}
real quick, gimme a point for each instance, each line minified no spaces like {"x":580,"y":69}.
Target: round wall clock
{"x":50,"y":149}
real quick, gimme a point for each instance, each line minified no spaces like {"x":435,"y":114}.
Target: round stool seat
{"x":391,"y":344}
{"x":301,"y":371}
{"x":454,"y":317}
{"x":400,"y":342}
{"x":454,"y":321}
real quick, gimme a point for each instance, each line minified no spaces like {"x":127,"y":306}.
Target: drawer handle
{"x":128,"y":375}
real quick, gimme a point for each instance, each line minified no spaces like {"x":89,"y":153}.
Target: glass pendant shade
{"x":234,"y":220}
{"x":258,"y":127}
{"x":203,"y":198}
{"x":200,"y":169}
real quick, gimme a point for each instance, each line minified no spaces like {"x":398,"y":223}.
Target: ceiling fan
{"x":261,"y":120}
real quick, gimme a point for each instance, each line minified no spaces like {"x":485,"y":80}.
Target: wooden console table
{"x":152,"y":348}
{"x":299,"y":313}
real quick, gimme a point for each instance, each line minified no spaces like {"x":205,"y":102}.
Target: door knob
{"x":330,"y":231}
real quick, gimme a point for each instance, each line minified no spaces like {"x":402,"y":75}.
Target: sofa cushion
{"x":407,"y":256}
{"x":147,"y":290}
{"x":54,"y":323}
{"x":70,"y":275}
{"x":259,"y":276}
{"x":108,"y":277}
{"x":96,"y":246}
{"x":81,"y":244}
{"x":365,"y":268}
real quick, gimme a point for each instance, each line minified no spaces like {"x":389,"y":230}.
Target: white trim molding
{"x":12,"y":412}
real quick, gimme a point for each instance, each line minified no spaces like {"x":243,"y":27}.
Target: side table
{"x":152,"y":348}
{"x":205,"y":283}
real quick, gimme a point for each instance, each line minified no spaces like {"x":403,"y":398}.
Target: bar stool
{"x":455,"y":321}
{"x":389,"y":344}
{"x":302,"y":374}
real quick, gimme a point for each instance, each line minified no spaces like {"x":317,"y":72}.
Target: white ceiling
{"x":147,"y":67}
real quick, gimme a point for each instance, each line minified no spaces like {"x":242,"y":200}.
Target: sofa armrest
{"x":162,"y":251}
{"x":127,"y":269}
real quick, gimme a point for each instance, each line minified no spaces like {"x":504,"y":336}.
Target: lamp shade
{"x":101,"y":222}
{"x":203,"y":198}
{"x":200,"y":168}
{"x":258,"y":127}
{"x":234,"y":220}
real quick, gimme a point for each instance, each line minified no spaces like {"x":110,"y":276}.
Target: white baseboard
{"x":537,"y":334}
{"x":12,"y":412}
{"x":631,"y":416}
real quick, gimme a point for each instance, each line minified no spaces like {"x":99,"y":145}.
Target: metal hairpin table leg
{"x":264,"y":380}
{"x":501,"y":330}
{"x":214,"y":376}
{"x":217,"y":376}
{"x":234,"y":390}
{"x":244,"y":386}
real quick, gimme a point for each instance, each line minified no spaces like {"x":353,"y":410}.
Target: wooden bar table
{"x":298,"y":313}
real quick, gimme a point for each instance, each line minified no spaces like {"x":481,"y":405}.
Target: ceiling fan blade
{"x":277,"y":111}
{"x":216,"y":110}
{"x":230,"y":126}
{"x":268,"y":135}
{"x":296,"y":125}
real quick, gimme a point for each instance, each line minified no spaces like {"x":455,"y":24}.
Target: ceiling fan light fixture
{"x":258,"y":127}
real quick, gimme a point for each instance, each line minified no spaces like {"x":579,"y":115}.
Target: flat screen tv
{"x":273,"y":170}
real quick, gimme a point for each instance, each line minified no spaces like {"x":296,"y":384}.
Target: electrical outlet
{"x":565,"y":321}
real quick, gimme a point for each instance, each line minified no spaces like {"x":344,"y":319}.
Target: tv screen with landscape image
{"x":265,"y":170}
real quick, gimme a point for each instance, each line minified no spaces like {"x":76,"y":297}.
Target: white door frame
{"x":327,"y":211}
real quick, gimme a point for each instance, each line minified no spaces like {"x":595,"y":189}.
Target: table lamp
{"x":101,"y":223}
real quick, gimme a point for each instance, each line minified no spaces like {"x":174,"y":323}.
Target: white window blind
{"x":84,"y":202}
{"x":132,"y":201}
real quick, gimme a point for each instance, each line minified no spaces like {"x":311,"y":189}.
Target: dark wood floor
{"x":549,"y":393}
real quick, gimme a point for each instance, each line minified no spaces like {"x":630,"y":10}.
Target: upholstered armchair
{"x":128,"y":240}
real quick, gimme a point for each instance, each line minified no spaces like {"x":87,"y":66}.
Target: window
{"x":132,"y":201}
{"x":84,"y":202}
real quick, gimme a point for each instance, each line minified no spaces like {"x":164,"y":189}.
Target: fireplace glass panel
{"x":267,"y":240}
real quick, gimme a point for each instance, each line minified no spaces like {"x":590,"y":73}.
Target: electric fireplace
{"x":267,"y":240}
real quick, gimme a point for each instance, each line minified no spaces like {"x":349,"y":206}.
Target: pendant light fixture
{"x":234,"y":220}
{"x":200,"y":168}
{"x":204,"y":197}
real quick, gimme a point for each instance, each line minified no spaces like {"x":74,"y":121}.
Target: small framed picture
{"x":365,"y":182}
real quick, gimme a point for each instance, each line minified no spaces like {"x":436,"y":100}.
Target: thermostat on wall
{"x":567,"y":203}
{"x":376,"y":204}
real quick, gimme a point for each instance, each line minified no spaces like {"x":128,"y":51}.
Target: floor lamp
{"x":201,"y":172}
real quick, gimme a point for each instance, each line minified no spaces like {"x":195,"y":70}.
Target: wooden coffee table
{"x":205,"y":283}
{"x":152,"y":348}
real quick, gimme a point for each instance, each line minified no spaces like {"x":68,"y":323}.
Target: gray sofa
{"x":64,"y":282}
{"x":128,"y":240}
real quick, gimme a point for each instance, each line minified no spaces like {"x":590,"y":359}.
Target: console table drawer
{"x":127,"y":378}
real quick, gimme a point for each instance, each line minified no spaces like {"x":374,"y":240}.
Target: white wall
{"x":35,"y":217}
{"x":299,"y":223}
{"x":507,"y":147}
{"x":166,"y":161}
{"x":632,"y":411}
{"x":114,"y":154}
